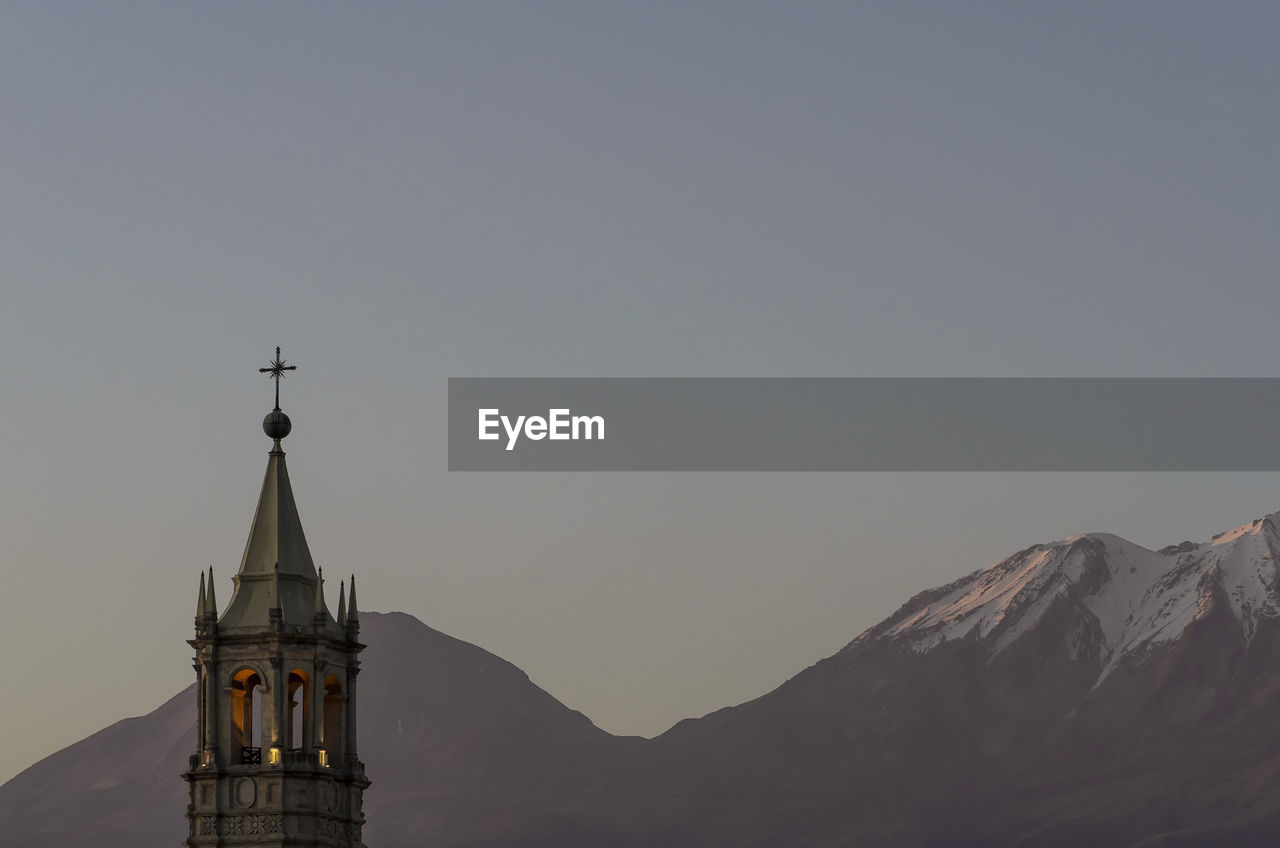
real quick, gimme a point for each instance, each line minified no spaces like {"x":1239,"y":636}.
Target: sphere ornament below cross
{"x":276,"y":425}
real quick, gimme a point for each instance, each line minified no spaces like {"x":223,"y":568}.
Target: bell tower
{"x":276,"y":761}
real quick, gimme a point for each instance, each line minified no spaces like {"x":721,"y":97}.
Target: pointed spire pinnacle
{"x":200,"y":603}
{"x":320,"y":608}
{"x":353,"y":618}
{"x":342,"y":603}
{"x":275,"y":589}
{"x":212,"y":607}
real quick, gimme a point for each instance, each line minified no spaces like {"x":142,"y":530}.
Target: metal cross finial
{"x":276,"y":372}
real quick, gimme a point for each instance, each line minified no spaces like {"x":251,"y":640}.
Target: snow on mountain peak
{"x":1265,"y":526}
{"x":1127,"y":596}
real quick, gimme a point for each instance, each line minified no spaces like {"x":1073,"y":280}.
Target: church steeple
{"x":276,"y":570}
{"x":276,"y":761}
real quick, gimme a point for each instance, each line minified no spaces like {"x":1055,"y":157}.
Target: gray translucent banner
{"x":864,"y":424}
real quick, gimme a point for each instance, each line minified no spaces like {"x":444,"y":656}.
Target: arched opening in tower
{"x":246,"y":715}
{"x":333,"y":719}
{"x":299,"y":710}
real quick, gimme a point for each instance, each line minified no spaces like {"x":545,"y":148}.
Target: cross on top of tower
{"x":277,"y":425}
{"x":276,"y":372}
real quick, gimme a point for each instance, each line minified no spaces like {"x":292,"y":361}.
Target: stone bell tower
{"x":276,"y":761}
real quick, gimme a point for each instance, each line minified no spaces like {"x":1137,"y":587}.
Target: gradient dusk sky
{"x":397,"y":193}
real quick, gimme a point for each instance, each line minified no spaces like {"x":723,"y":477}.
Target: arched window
{"x":298,"y":720}
{"x":246,"y":716}
{"x":332,"y":727}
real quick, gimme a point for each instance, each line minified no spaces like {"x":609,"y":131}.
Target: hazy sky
{"x":397,"y":193}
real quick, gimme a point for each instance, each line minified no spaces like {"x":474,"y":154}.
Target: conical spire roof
{"x":276,"y":538}
{"x":276,"y":569}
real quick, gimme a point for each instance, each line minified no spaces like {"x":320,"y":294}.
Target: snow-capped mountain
{"x":1128,"y":598}
{"x":1082,"y":691}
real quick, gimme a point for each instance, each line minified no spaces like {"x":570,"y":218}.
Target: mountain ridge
{"x":1134,"y":594}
